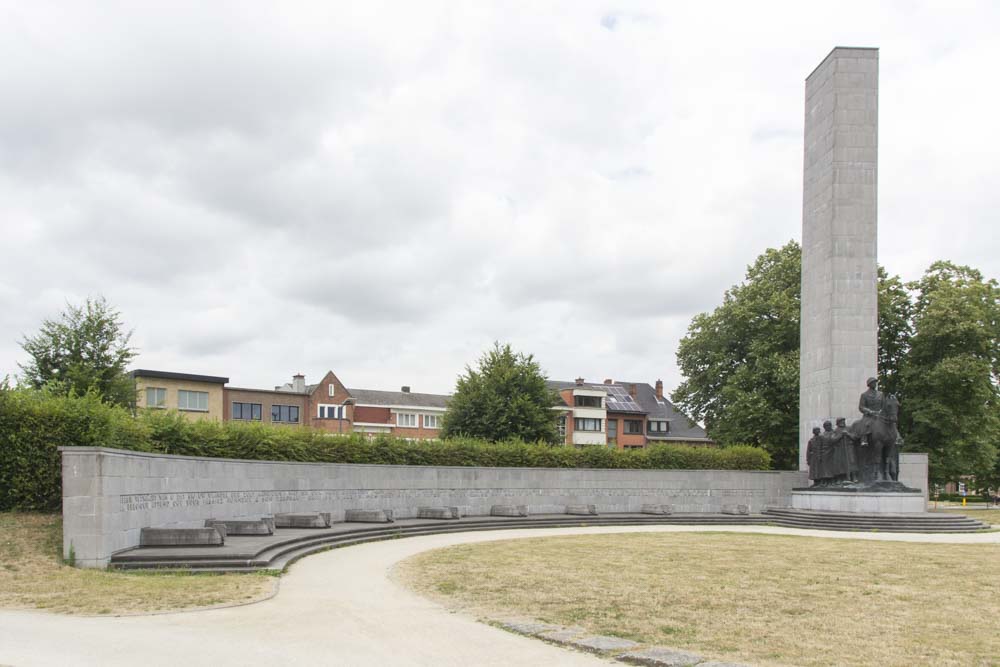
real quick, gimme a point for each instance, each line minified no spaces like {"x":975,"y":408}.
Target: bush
{"x":33,"y":424}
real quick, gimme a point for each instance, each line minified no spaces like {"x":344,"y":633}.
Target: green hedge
{"x":33,"y":424}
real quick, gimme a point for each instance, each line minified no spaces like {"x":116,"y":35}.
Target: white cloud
{"x":385,"y":189}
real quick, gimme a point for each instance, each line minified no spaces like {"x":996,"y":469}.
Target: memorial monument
{"x":839,"y":325}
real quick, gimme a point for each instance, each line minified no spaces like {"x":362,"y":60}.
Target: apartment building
{"x":626,"y":415}
{"x":194,"y":396}
{"x":615,"y":414}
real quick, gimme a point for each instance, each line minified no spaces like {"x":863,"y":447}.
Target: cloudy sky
{"x":385,"y":189}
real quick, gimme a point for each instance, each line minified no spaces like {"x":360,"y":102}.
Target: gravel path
{"x":338,"y":608}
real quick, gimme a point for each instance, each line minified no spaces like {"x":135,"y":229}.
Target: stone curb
{"x":622,"y":650}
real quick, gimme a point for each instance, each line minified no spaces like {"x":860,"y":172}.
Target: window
{"x":192,"y":400}
{"x":246,"y":411}
{"x":406,"y":419}
{"x":331,"y":411}
{"x":432,"y":421}
{"x":658,"y":426}
{"x":612,"y":430}
{"x":633,"y":426}
{"x":156,"y":397}
{"x":285,"y":413}
{"x":331,"y":389}
{"x":561,"y":426}
{"x":587,"y":401}
{"x":581,"y":424}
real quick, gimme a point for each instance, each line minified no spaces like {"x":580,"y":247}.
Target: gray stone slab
{"x":303,"y":520}
{"x":509,"y":510}
{"x":563,"y":635}
{"x":736,"y":509}
{"x":242,"y":527}
{"x":583,"y":510}
{"x":182,"y":537}
{"x":603,"y":643}
{"x":438,"y":513}
{"x":657,"y":509}
{"x":659,"y":656}
{"x":528,"y":627}
{"x":368,"y":516}
{"x":716,"y":663}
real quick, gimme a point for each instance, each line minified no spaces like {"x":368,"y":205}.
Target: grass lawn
{"x":767,"y":599}
{"x":33,"y":576}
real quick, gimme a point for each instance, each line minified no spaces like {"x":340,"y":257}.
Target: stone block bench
{"x":438,"y":513}
{"x":736,"y":509}
{"x":661,"y":510}
{"x":583,"y":510}
{"x":306,"y":520}
{"x":368,"y":516}
{"x":214,"y":536}
{"x":509,"y":510}
{"x":243,"y":527}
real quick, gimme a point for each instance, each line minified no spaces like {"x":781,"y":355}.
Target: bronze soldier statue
{"x":871,"y":404}
{"x":812,"y":455}
{"x":844,"y":448}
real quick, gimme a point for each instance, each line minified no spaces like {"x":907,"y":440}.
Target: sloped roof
{"x":681,"y":428}
{"x":403,"y":398}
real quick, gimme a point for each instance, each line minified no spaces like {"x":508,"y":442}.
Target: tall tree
{"x":951,"y":406}
{"x":85,"y":349}
{"x":504,"y":397}
{"x":741,"y":361}
{"x":895,"y":312}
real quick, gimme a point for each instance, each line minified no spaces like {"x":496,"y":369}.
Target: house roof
{"x":681,"y":427}
{"x":402,"y":398}
{"x":169,"y":375}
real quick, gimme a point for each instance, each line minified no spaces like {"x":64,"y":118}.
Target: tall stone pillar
{"x":839,"y":330}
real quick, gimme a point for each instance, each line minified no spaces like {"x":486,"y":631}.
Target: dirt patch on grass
{"x":765,"y":599}
{"x":33,"y":576}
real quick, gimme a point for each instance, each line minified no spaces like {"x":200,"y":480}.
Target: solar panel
{"x":620,"y":399}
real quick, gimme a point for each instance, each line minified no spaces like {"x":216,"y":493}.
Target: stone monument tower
{"x":839,"y":330}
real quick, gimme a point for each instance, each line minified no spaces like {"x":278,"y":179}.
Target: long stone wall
{"x":109,"y":495}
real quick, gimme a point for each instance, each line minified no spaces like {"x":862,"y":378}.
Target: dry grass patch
{"x":760,"y":598}
{"x":33,"y":576}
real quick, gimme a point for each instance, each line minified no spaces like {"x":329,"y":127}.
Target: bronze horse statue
{"x":881,"y":460}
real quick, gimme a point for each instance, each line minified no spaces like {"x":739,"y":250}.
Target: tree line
{"x":938,"y":351}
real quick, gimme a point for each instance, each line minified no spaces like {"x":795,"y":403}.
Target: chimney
{"x":579,"y":382}
{"x":299,"y":383}
{"x":659,"y":390}
{"x":633,"y":390}
{"x":609,"y":381}
{"x":405,"y":389}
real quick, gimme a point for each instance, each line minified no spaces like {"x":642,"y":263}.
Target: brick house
{"x":619,"y":414}
{"x":626,"y":415}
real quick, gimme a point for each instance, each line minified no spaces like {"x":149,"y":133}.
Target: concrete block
{"x":302,"y":520}
{"x":659,"y":656}
{"x":242,"y":527}
{"x":585,"y":510}
{"x":657,"y":509}
{"x":509,"y":510}
{"x":603,"y":644}
{"x":736,"y":509}
{"x":438,"y":513}
{"x":368,"y":516}
{"x":182,"y":537}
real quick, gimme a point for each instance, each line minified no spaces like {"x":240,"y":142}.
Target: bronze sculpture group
{"x":864,"y":453}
